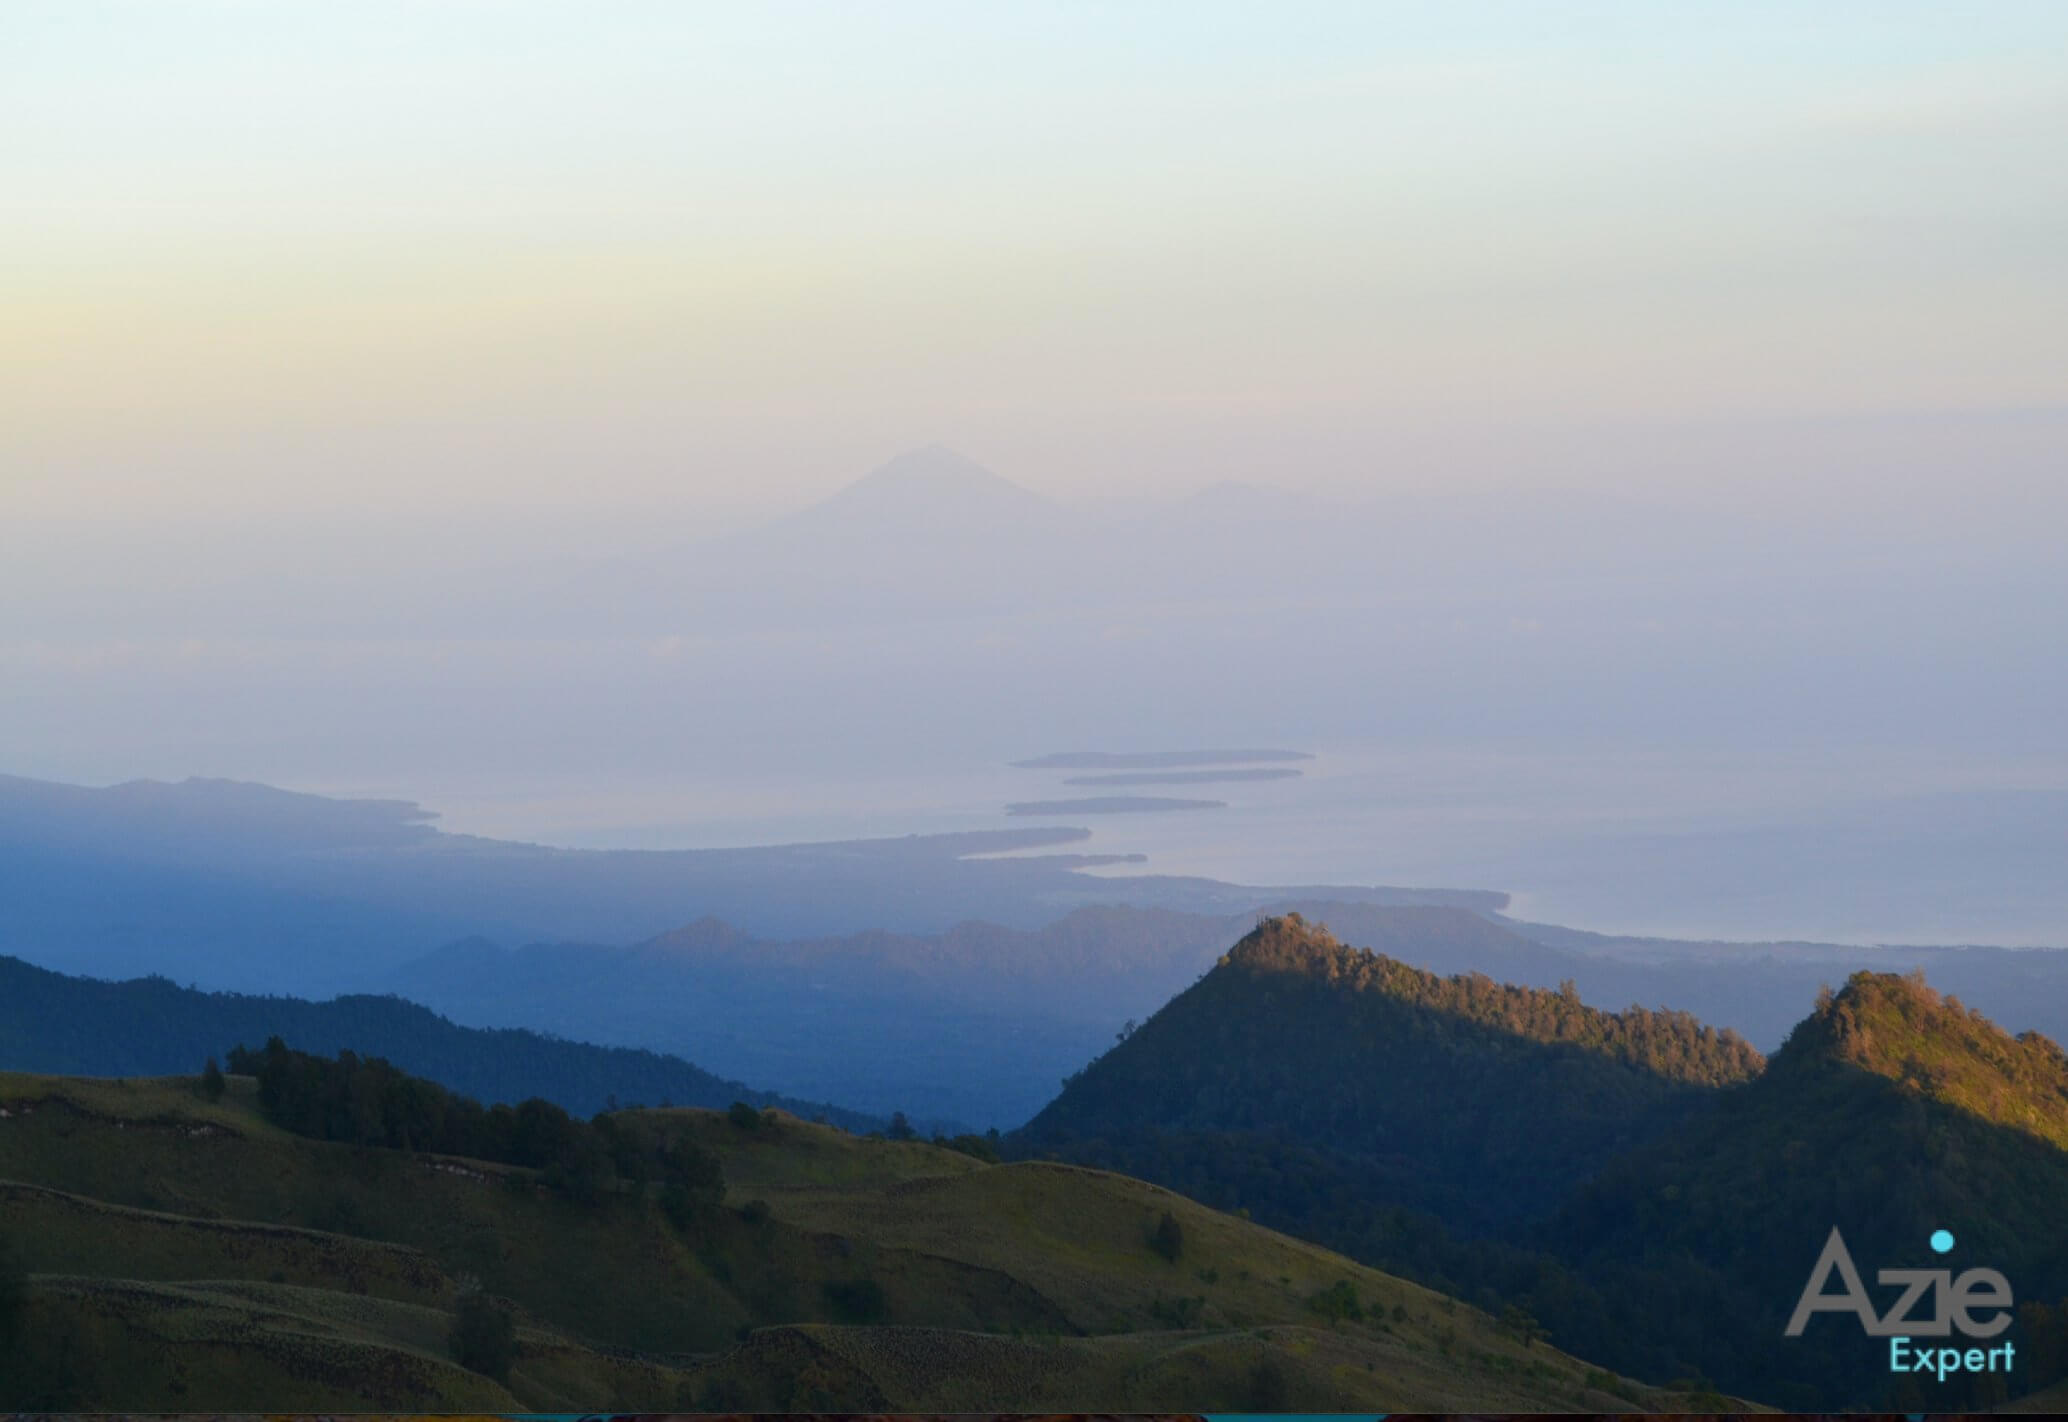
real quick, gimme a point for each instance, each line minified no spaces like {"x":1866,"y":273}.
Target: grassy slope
{"x":236,"y":1344}
{"x":616,"y":1273}
{"x":1079,"y":1239}
{"x":123,"y":1344}
{"x":1317,"y":1369}
{"x":212,"y":1261}
{"x":74,"y":1234}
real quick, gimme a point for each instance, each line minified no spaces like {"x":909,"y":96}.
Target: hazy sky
{"x":291,"y":257}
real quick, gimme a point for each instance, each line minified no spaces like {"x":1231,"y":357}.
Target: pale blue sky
{"x":292,"y":256}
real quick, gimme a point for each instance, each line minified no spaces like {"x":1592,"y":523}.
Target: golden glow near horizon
{"x":287,"y":256}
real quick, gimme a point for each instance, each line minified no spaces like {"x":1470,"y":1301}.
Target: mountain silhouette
{"x":932,"y":489}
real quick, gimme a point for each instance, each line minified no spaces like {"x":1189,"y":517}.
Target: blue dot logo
{"x":1942,"y":1241}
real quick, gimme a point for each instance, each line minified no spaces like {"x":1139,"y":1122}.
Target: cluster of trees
{"x":366,"y":1101}
{"x":1902,"y":1028}
{"x":1337,"y":1302}
{"x":984,"y":1147}
{"x":1672,"y":1045}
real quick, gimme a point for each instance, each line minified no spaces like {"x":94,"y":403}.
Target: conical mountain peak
{"x":934,"y":487}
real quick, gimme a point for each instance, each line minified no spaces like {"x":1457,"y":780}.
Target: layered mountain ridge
{"x":1649,"y":1187}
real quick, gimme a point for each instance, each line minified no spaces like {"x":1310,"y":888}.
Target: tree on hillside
{"x":1521,"y":1324}
{"x":212,"y":1084}
{"x":1337,"y":1302}
{"x":1169,"y":1238}
{"x":900,"y":1128}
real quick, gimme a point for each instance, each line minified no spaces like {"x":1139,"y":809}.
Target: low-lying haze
{"x":1632,"y":716}
{"x":1578,"y":418}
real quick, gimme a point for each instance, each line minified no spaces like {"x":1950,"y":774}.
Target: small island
{"x":1110,"y":805}
{"x":1155,"y":760}
{"x":1181,"y":777}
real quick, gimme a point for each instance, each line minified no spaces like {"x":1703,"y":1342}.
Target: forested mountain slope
{"x":1478,"y":1099}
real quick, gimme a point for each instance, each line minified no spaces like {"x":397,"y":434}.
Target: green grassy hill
{"x":1263,"y":1369}
{"x":1240,"y":1311}
{"x":187,"y":1254}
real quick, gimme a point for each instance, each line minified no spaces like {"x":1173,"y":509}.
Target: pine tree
{"x":1169,"y":1239}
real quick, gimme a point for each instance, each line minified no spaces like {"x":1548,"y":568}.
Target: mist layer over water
{"x":1631,"y":716}
{"x":1847,"y":848}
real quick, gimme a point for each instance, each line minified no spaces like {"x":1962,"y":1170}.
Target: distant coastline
{"x":1110,"y":805}
{"x":1154,"y":760}
{"x":1182,"y":777}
